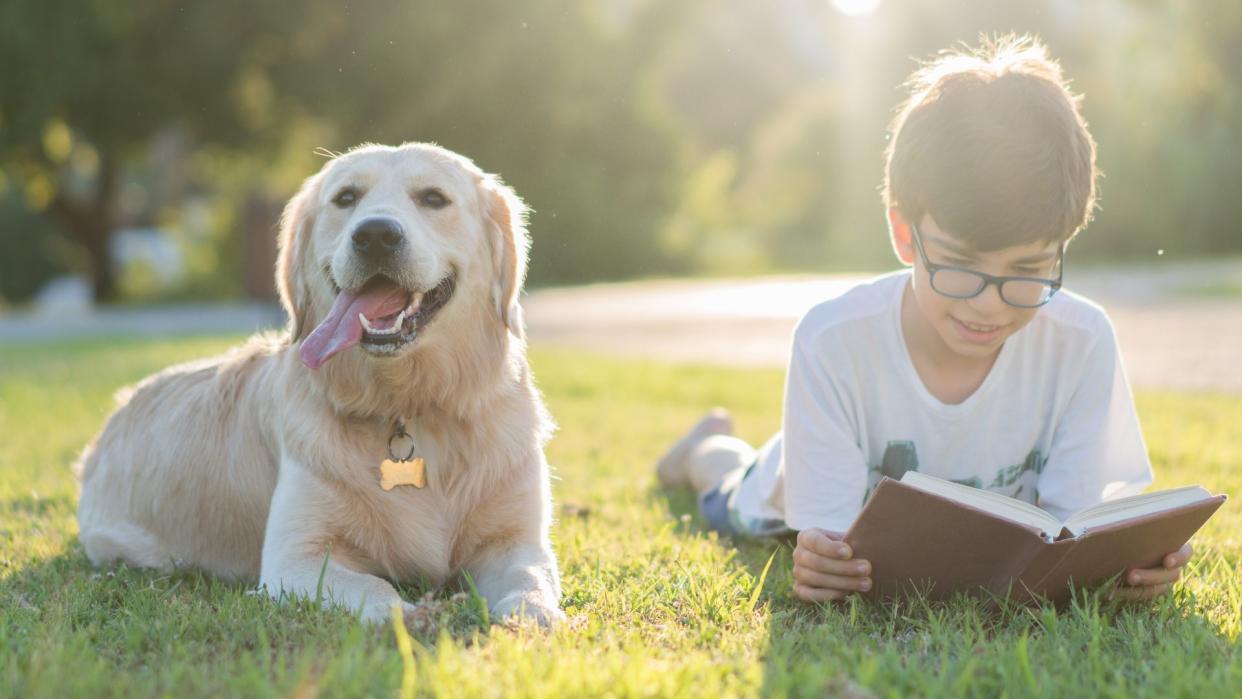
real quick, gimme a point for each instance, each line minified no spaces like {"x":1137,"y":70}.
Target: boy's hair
{"x":992,"y":145}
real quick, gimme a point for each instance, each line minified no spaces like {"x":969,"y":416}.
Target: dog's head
{"x":385,"y":247}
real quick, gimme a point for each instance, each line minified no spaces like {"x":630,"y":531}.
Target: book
{"x":932,"y":536}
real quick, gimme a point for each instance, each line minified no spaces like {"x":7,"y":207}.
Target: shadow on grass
{"x":60,"y":614}
{"x":978,"y":646}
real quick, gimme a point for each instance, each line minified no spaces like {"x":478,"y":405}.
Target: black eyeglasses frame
{"x":986,"y":280}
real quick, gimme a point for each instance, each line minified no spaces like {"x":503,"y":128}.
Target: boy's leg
{"x":713,"y":462}
{"x":716,"y":457}
{"x":674,"y":467}
{"x":716,"y":468}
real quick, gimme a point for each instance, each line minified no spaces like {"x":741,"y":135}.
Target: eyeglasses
{"x":964,"y":283}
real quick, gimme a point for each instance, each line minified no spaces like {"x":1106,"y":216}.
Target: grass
{"x":657,"y":605}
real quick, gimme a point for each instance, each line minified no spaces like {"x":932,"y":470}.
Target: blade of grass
{"x":323,"y":570}
{"x":479,"y":603}
{"x":754,"y":594}
{"x":405,"y":646}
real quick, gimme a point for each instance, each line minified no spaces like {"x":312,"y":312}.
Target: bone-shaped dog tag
{"x":395,"y":473}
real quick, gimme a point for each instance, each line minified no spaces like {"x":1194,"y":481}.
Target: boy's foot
{"x":671,"y":468}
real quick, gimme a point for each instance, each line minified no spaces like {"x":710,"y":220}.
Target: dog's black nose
{"x":376,"y":238}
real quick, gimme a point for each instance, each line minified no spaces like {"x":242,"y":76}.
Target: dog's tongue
{"x":342,"y":329}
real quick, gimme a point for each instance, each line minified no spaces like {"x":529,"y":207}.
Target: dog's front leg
{"x":297,"y":559}
{"x":520,"y":581}
{"x":514,"y":567}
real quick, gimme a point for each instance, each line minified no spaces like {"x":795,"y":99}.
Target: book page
{"x":1133,"y":507}
{"x":1000,"y":505}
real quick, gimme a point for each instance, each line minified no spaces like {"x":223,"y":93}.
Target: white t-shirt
{"x":1052,"y":424}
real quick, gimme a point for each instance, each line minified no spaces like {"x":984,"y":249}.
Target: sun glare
{"x":855,"y":8}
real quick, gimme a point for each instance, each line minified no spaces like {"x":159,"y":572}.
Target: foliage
{"x":802,"y":122}
{"x":29,"y":247}
{"x":650,"y":137}
{"x":96,"y":83}
{"x":538,"y":91}
{"x":657,"y":606}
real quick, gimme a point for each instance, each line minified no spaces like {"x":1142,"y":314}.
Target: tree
{"x":87,"y":85}
{"x":544,"y":92}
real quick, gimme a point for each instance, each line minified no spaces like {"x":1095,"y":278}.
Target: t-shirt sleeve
{"x":825,"y":470}
{"x":1097,"y":451}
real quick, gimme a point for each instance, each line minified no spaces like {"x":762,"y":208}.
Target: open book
{"x":928,"y":534}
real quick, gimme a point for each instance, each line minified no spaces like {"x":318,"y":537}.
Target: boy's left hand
{"x":1146,"y":583}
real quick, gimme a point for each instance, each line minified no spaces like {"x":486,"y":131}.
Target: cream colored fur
{"x":253,"y":467}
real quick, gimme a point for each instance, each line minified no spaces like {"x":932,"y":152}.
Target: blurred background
{"x":146,"y":147}
{"x":724,"y":157}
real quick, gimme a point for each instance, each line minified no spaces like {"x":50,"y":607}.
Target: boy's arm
{"x":825,"y":472}
{"x":825,"y":478}
{"x":1098,"y":453}
{"x":1097,"y":448}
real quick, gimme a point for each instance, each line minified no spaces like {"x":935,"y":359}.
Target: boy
{"x":970,"y":365}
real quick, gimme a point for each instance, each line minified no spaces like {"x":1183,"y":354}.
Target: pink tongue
{"x":342,"y":329}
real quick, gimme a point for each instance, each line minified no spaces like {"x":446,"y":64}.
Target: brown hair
{"x":991,"y":144}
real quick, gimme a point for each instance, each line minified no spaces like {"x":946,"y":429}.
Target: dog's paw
{"x":422,"y":619}
{"x":379,"y":614}
{"x":516,"y":606}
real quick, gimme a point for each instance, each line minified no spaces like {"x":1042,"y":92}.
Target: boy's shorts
{"x":719,"y":507}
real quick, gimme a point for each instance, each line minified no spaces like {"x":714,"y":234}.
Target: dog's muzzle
{"x":377,"y":240}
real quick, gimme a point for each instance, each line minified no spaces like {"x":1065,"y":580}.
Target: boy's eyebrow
{"x":951,"y":246}
{"x":1035,"y":259}
{"x":954,"y":248}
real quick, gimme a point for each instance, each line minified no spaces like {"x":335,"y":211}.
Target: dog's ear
{"x":295,"y":226}
{"x":506,"y":219}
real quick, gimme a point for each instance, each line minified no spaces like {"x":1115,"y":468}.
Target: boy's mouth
{"x":978,"y":333}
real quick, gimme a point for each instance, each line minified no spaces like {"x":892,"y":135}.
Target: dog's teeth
{"x":414,"y":304}
{"x":396,"y":325}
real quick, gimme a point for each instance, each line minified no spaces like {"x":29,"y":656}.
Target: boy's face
{"x":976,"y":327}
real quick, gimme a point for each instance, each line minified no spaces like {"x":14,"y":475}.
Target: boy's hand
{"x":824,"y":569}
{"x":1144,"y":584}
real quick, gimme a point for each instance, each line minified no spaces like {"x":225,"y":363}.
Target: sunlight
{"x":855,"y":8}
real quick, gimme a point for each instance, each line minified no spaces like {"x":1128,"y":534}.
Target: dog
{"x":289,"y":460}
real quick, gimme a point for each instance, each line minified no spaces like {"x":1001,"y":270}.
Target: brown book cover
{"x":920,"y":541}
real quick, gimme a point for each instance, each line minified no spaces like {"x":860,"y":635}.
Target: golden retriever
{"x":400,"y":270}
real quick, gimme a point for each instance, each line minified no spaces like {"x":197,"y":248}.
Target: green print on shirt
{"x":901,"y":456}
{"x":1010,"y":475}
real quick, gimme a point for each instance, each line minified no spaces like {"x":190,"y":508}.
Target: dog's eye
{"x":432,"y":199}
{"x":346,"y":198}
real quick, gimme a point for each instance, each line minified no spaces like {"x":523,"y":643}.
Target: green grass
{"x":656,"y":605}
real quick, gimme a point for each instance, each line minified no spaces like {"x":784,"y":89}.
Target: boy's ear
{"x":903,"y":238}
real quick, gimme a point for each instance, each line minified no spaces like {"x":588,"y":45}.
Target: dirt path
{"x":1179,"y":325}
{"x":1169,"y":338}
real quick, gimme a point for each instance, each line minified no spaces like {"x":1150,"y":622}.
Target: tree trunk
{"x":91,"y":223}
{"x":103,"y":277}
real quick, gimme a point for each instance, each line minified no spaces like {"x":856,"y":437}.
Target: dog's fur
{"x":253,"y":467}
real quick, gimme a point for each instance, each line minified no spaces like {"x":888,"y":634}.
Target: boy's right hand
{"x":824,"y":569}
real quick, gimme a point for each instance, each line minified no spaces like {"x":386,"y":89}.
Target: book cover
{"x":922,"y":542}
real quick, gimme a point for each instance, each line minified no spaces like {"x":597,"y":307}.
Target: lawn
{"x":657,"y":606}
